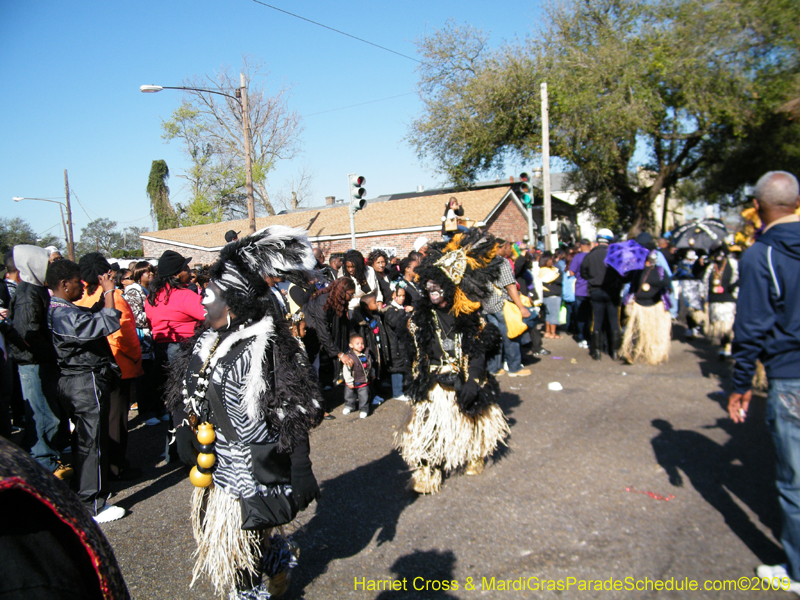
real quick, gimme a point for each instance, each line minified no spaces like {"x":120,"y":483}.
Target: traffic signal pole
{"x":352,"y":226}
{"x":357,"y":201}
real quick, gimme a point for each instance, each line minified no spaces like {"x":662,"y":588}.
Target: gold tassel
{"x":462,"y":304}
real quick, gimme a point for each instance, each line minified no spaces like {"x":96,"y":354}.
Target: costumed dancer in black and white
{"x":721,"y":281}
{"x":250,"y":397}
{"x":454,"y":421}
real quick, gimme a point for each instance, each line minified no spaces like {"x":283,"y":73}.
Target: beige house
{"x":391,"y":223}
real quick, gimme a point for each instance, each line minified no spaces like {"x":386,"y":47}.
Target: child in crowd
{"x":367,"y":322}
{"x":395,"y":321}
{"x":357,"y":378}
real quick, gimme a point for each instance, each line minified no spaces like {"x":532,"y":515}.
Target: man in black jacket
{"x":88,"y":373}
{"x":36,"y":359}
{"x":605,"y":285}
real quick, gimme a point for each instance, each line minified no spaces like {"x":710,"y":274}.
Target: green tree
{"x":678,"y":80}
{"x":210,"y":128}
{"x":18,"y":231}
{"x":100,"y":235}
{"x":158,"y":192}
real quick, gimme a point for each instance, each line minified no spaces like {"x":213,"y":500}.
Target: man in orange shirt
{"x":128,"y":355}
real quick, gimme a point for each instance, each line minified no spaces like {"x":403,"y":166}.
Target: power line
{"x":337,"y":31}
{"x":361,"y":104}
{"x":81,"y":205}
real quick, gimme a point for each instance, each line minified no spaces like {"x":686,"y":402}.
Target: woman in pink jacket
{"x":173,"y":309}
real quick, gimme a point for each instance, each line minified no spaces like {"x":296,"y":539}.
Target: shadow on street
{"x":428,"y":571}
{"x":354,"y":506}
{"x":741,"y":468}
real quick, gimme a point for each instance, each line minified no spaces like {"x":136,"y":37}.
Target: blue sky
{"x":70,"y":97}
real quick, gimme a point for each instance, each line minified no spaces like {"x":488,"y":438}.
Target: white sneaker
{"x":346,"y":411}
{"x":363,"y":414}
{"x":402,"y":398}
{"x":775,"y":575}
{"x":377,"y":401}
{"x":583,"y":344}
{"x":110,"y":513}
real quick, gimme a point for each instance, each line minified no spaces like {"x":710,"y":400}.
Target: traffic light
{"x":525,"y":190}
{"x":358,"y":200}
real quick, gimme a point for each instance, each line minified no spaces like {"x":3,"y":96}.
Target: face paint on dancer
{"x":215,"y":307}
{"x":435,"y":294}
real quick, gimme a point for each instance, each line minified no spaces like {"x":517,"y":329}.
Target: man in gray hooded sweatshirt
{"x":36,"y":358}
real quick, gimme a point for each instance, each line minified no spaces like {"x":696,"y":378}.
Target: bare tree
{"x":211,"y":128}
{"x":296,"y":192}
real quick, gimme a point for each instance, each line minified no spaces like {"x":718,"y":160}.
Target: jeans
{"x":783,"y":419}
{"x":397,"y":385}
{"x":582,"y":312}
{"x":511,"y":347}
{"x":360,"y":395}
{"x":42,"y":413}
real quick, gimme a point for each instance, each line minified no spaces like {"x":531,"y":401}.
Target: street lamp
{"x":241,"y":98}
{"x":67,"y":225}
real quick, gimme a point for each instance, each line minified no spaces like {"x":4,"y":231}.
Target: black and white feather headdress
{"x":243,"y":264}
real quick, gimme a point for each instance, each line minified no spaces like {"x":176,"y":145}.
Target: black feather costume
{"x":261,"y":375}
{"x":454,"y":420}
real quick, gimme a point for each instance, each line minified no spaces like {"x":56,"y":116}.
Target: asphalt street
{"x":629,"y":474}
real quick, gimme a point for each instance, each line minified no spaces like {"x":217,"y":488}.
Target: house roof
{"x":383,"y":215}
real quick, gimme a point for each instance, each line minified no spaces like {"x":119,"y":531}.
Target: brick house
{"x":391,"y":223}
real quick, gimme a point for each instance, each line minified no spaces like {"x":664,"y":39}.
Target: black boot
{"x":597,"y":345}
{"x":616,"y":345}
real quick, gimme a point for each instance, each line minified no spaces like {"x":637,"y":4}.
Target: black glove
{"x":468,"y":394}
{"x":185,"y":440}
{"x":304,"y":484}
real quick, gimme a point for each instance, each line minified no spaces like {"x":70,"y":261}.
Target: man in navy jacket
{"x":767,"y":328}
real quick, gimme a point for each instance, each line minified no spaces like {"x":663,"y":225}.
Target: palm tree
{"x":158,"y":192}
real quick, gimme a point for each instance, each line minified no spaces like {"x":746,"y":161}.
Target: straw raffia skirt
{"x":225,"y":552}
{"x":647,"y":335}
{"x":436,"y":436}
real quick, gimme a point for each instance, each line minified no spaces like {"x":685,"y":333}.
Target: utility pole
{"x":248,"y":169}
{"x":71,"y":240}
{"x":546,"y":166}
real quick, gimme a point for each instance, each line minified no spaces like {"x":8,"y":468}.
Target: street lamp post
{"x":67,"y":226}
{"x":241,"y":98}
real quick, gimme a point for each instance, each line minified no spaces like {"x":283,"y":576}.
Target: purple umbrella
{"x":626,"y":256}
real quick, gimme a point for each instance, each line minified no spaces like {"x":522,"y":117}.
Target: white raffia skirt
{"x":647,"y":334}
{"x":225,"y":552}
{"x":437,"y":434}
